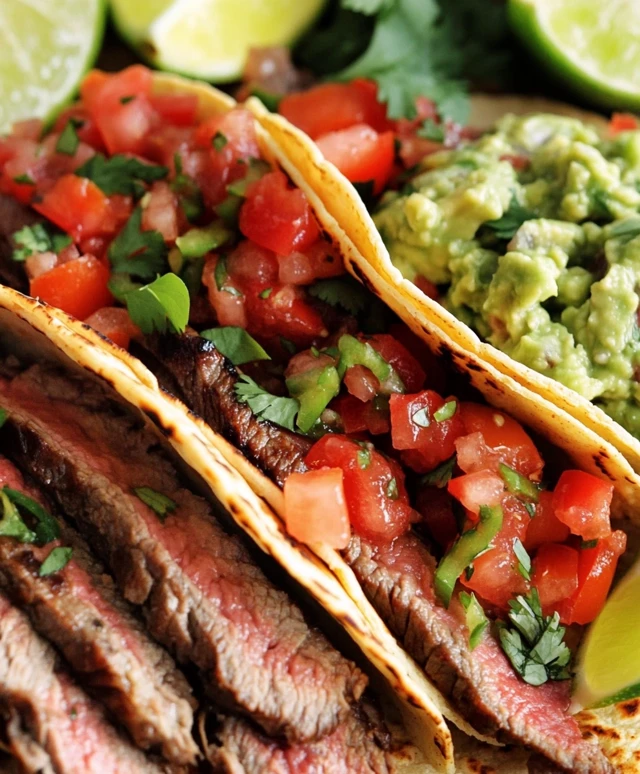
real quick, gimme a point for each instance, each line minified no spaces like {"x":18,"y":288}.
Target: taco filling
{"x":475,"y":555}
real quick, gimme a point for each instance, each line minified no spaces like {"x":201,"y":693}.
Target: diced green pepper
{"x":314,"y":390}
{"x":199,"y":241}
{"x":229,"y":209}
{"x":518,"y":484}
{"x":476,"y":619}
{"x":256,"y":170}
{"x":469,"y":545}
{"x":355,"y":352}
{"x":47,"y":528}
{"x":11,"y":523}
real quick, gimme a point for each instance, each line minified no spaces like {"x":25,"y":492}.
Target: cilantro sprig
{"x":281,"y":411}
{"x":506,"y":226}
{"x":37,"y":238}
{"x":121,"y":174}
{"x":138,"y":252}
{"x":162,"y":305}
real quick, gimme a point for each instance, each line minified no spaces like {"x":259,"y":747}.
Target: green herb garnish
{"x":219,"y":141}
{"x":392,"y":489}
{"x":120,"y":174}
{"x":47,"y":528}
{"x":364,"y":457}
{"x":159,"y":503}
{"x":3,"y":416}
{"x":431,"y":131}
{"x":126,"y":100}
{"x":441,"y":475}
{"x":37,"y":239}
{"x":235,"y":344}
{"x":56,"y":561}
{"x":11,"y":523}
{"x":524,"y":560}
{"x":68,"y":141}
{"x":477,"y":621}
{"x":197,"y":242}
{"x":446,"y":411}
{"x":535,"y":643}
{"x":162,"y":305}
{"x":343,"y":292}
{"x":273,"y":408}
{"x":265,"y":293}
{"x":589,"y":543}
{"x":506,"y":226}
{"x":24,"y":179}
{"x":138,"y":252}
{"x":518,"y":484}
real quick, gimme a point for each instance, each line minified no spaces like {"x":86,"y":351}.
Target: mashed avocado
{"x":532,"y":234}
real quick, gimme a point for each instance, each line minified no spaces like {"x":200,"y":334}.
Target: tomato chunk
{"x":373,"y":484}
{"x":596,"y":568}
{"x":315,"y":507}
{"x":505,"y":436}
{"x":77,"y":206}
{"x":361,"y":154}
{"x":545,"y":526}
{"x":331,"y":107}
{"x":424,"y":441}
{"x":358,"y":417}
{"x":176,"y":109}
{"x":278,"y":217}
{"x":622,"y":122}
{"x":114,"y":323}
{"x":400,"y":359}
{"x":476,"y":489}
{"x":554,"y":574}
{"x":583,"y":503}
{"x":77,"y":287}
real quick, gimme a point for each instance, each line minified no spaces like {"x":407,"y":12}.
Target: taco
{"x":271,"y":258}
{"x":563,"y":190}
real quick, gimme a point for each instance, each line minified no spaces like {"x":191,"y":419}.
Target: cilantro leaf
{"x":441,"y":475}
{"x":235,"y":344}
{"x":12,"y":523}
{"x":47,"y":528}
{"x":162,"y":306}
{"x":133,"y":251}
{"x":535,"y":643}
{"x":506,"y":226}
{"x":68,"y":141}
{"x":37,"y":239}
{"x":431,"y":131}
{"x":368,"y":7}
{"x":273,"y":408}
{"x":342,"y":291}
{"x":120,"y":174}
{"x":56,"y":561}
{"x":159,"y":503}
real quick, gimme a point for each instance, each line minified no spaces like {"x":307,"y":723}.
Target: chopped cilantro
{"x":68,"y":141}
{"x":121,"y":284}
{"x":56,"y":561}
{"x":524,"y":560}
{"x":3,"y":416}
{"x":506,"y":226}
{"x":162,"y":306}
{"x":342,"y":291}
{"x":589,"y":543}
{"x":364,"y":457}
{"x":446,"y":411}
{"x":477,"y":621}
{"x":138,"y":252}
{"x":269,"y":100}
{"x":219,"y":141}
{"x":265,"y":293}
{"x":235,"y":344}
{"x":288,"y":346}
{"x":392,"y":489}
{"x":120,"y":174}
{"x":534,"y":643}
{"x":431,"y":131}
{"x":625,"y":229}
{"x":11,"y":523}
{"x":530,"y":509}
{"x":273,"y":408}
{"x":126,"y":100}
{"x":159,"y":503}
{"x":220,"y":274}
{"x":37,"y":239}
{"x":256,"y":170}
{"x":441,"y":475}
{"x":47,"y":528}
{"x":24,"y":179}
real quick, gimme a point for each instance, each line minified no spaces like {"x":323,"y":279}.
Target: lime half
{"x":210,"y":39}
{"x":593,"y":45}
{"x":609,"y":660}
{"x":46,"y":46}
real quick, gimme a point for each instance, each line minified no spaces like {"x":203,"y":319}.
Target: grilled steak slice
{"x":13,"y":217}
{"x":350,"y":749}
{"x":79,"y":611}
{"x":204,"y":379}
{"x":202,"y":593}
{"x":398,"y":580}
{"x":52,"y":726}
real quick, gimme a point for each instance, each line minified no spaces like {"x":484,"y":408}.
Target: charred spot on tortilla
{"x":597,"y":459}
{"x":153,"y":415}
{"x":630,"y":708}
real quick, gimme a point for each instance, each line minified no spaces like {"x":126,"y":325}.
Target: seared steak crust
{"x":203,"y":595}
{"x":52,"y":726}
{"x":79,"y":611}
{"x":205,"y":380}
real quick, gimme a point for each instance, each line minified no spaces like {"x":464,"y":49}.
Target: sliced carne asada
{"x":350,"y":749}
{"x":201,"y":376}
{"x":78,"y":609}
{"x":398,"y":579}
{"x":203,"y":595}
{"x":51,"y":725}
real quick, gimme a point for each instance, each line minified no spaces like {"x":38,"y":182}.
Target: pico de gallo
{"x":153,"y":220}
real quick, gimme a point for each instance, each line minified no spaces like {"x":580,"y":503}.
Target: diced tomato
{"x":425,"y":442}
{"x":545,"y":526}
{"x":315,"y":508}
{"x":77,"y":287}
{"x":325,"y":259}
{"x":361,"y":383}
{"x":505,"y":436}
{"x":622,"y":122}
{"x":114,"y":323}
{"x":427,"y":287}
{"x":29,"y":129}
{"x":161,"y":212}
{"x":476,"y":489}
{"x":176,"y":109}
{"x":554,"y":574}
{"x":373,"y":484}
{"x":285,"y":312}
{"x":252,"y":267}
{"x":295,"y":269}
{"x":361,"y":154}
{"x":77,"y":206}
{"x":332,"y":107}
{"x":413,"y":149}
{"x":40,"y":263}
{"x":88,"y":132}
{"x":358,"y":417}
{"x":400,"y":359}
{"x":278,"y":217}
{"x":583,"y":503}
{"x":18,"y":158}
{"x":436,"y":376}
{"x":436,"y":508}
{"x":596,"y":568}
{"x":307,"y":361}
{"x":227,"y":301}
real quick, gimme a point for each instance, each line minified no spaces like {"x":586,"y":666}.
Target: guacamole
{"x":532,"y":235}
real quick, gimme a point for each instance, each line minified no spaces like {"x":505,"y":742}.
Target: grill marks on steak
{"x":398,"y":580}
{"x":203,"y":595}
{"x":50,"y":722}
{"x":79,"y":611}
{"x":205,"y":380}
{"x":350,"y":749}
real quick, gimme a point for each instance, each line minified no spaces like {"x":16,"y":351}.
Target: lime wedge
{"x":47,"y":46}
{"x":593,"y":45}
{"x":210,"y":39}
{"x":609,"y":661}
